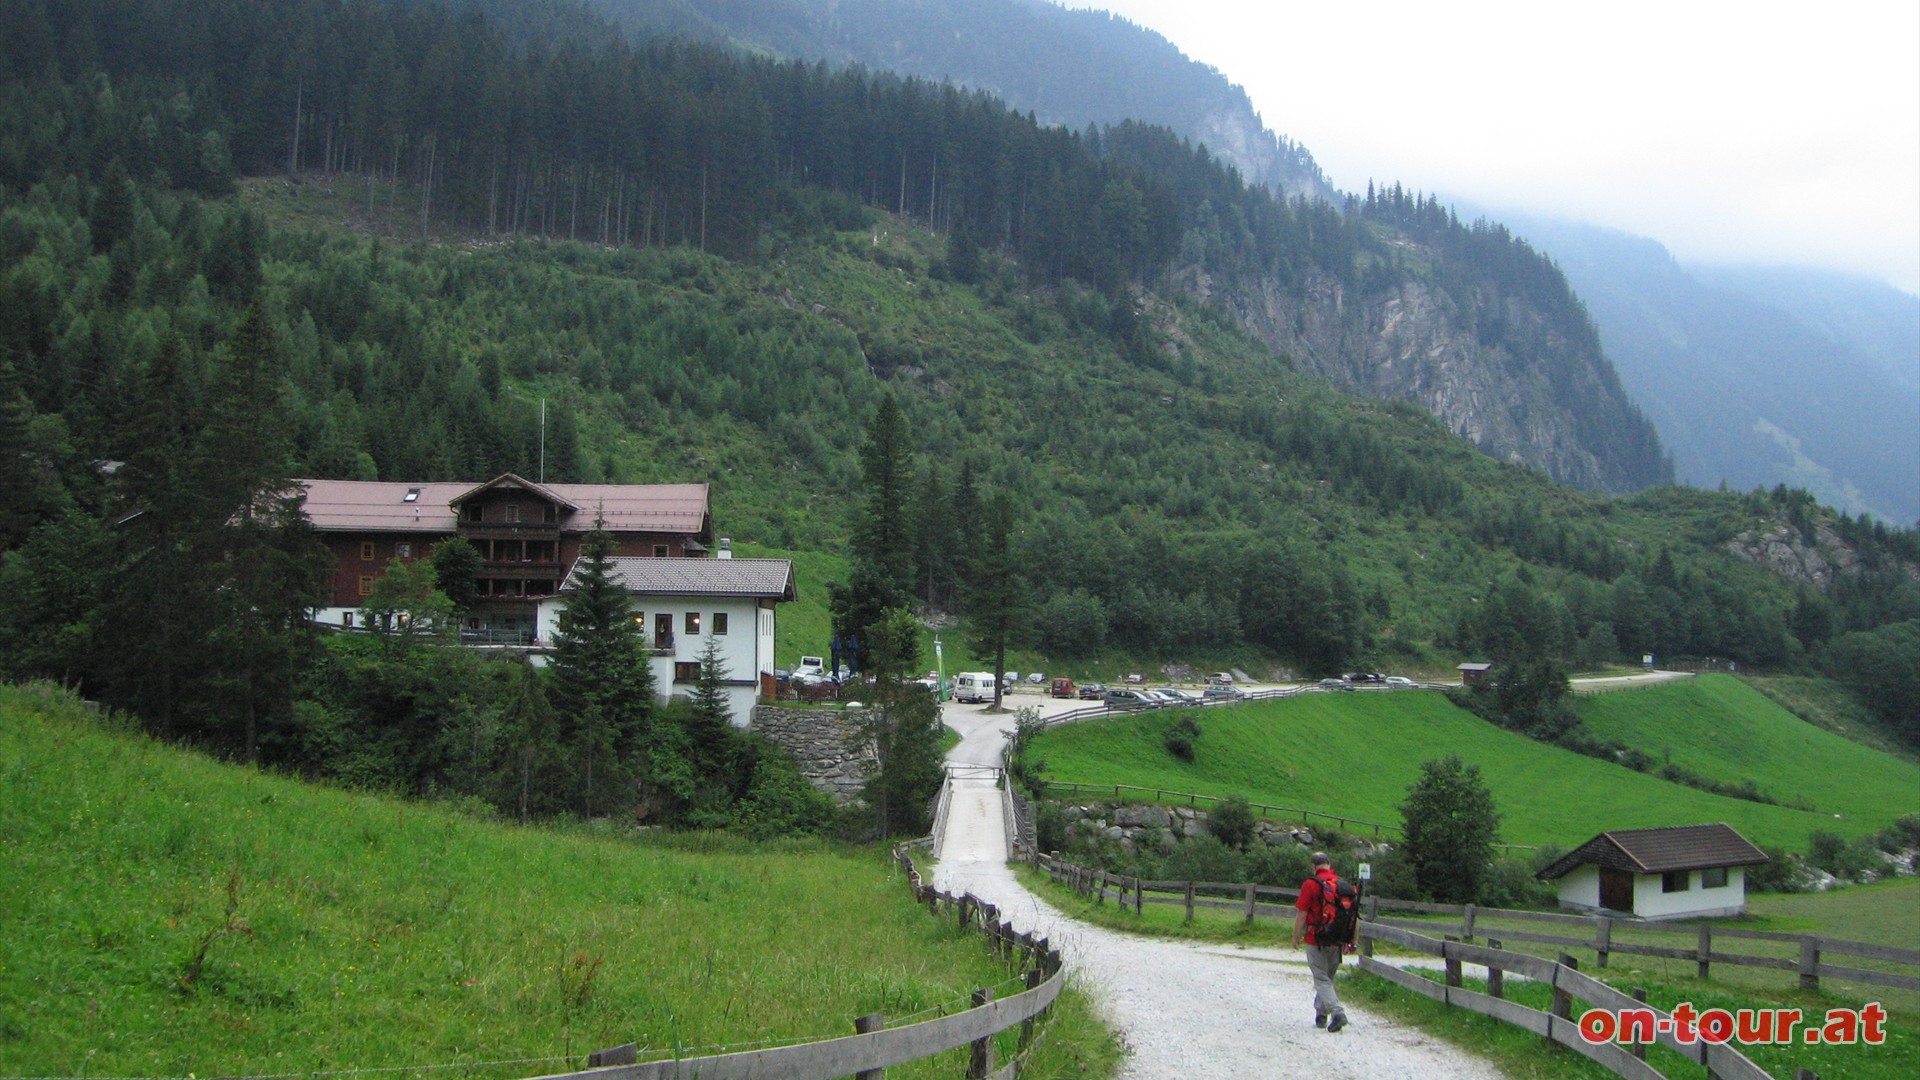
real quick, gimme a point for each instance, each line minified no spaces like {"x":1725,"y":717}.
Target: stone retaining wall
{"x":825,"y":744}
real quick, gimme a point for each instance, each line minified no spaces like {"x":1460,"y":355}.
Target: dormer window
{"x":412,"y":495}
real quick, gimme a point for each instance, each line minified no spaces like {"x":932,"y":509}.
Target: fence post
{"x":1602,"y":938}
{"x":1100,"y":888}
{"x":1563,"y":1001}
{"x":1249,"y":902}
{"x":1496,"y":977}
{"x":1809,"y":963}
{"x":1466,"y":925}
{"x":1452,"y":961}
{"x":1034,"y":976}
{"x":1706,"y":947}
{"x":980,"y":1064}
{"x":865,"y":1025}
{"x":1639,"y":1049}
{"x":1139,"y":897}
{"x":1189,"y":901}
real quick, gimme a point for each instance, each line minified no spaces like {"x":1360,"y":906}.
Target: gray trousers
{"x":1323,"y":961}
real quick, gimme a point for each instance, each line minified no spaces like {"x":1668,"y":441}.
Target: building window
{"x":513,"y":513}
{"x":1675,"y":880}
{"x":366,"y":586}
{"x":719,"y":622}
{"x":366,"y":551}
{"x":403,"y":551}
{"x":659,"y":551}
{"x":693,"y":623}
{"x":346,"y":619}
{"x":474,"y":512}
{"x":685,"y":671}
{"x":1715,"y":878}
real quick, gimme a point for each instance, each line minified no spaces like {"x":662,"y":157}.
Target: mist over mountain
{"x":1758,"y":377}
{"x":1870,"y":316}
{"x":1071,"y":68}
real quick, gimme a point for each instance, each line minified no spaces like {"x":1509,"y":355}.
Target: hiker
{"x":1316,"y":894}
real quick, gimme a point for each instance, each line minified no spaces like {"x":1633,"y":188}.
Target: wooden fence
{"x":874,"y":1046}
{"x":1559,"y":1025}
{"x":1805,"y":954}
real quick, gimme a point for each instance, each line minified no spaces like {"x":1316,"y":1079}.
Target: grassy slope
{"x":367,"y":932}
{"x":1722,"y":728}
{"x":1356,"y":754}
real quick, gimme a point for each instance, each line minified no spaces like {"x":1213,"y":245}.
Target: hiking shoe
{"x":1339,"y":1021}
{"x":1319,"y":1020}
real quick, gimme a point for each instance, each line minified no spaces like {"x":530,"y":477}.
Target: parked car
{"x":1400,"y":681}
{"x":1037,"y":678}
{"x":1128,"y":699}
{"x":1179,"y":697}
{"x":1220,"y":678}
{"x":1062,"y":687}
{"x":1362,"y":678}
{"x":1224,"y":693}
{"x":1093,"y":691}
{"x":810,"y":667}
{"x":1007,"y":679}
{"x":1136,"y":677}
{"x":1335,"y":684}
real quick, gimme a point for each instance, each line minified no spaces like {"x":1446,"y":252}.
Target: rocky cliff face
{"x":1786,"y":550}
{"x":1536,"y":396}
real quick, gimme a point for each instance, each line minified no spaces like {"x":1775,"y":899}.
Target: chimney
{"x":726,"y":549}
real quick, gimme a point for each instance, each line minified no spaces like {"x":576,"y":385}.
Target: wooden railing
{"x":1559,"y":1025}
{"x":1603,"y":935}
{"x":874,"y":1046}
{"x":1562,"y":975}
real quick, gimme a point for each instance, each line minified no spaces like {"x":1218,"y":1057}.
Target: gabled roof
{"x":1473,"y":667}
{"x":508,"y":482}
{"x":384,"y":506}
{"x":770,"y":579}
{"x":1657,"y":851}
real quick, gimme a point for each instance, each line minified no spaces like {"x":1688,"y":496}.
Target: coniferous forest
{"x":247,"y":242}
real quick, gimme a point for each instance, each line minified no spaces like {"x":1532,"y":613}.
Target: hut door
{"x":1616,"y":889}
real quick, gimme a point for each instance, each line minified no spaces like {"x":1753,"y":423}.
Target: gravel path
{"x":1184,"y":1009}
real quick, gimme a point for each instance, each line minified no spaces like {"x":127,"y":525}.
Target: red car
{"x":1062,"y":688}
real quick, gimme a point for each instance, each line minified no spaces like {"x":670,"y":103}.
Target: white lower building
{"x":1679,"y":872}
{"x":685,"y":603}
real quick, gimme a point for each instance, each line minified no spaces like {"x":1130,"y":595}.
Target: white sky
{"x":1743,"y":132}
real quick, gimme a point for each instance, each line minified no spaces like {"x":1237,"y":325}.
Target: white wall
{"x":746,"y":649}
{"x":1581,"y":887}
{"x":1649,"y":902}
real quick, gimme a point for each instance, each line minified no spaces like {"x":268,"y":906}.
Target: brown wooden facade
{"x":527,"y":534}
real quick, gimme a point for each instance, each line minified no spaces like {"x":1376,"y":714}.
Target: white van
{"x":973,"y":686}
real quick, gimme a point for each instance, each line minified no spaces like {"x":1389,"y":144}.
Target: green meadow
{"x":1720,"y":727}
{"x":162,"y":914}
{"x":1355,"y":754}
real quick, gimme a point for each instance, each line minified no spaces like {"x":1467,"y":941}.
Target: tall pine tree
{"x":602,"y":685}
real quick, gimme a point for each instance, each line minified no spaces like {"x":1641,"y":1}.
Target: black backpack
{"x":1339,"y":911}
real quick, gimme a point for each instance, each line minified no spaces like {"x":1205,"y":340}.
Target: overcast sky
{"x":1745,"y":132}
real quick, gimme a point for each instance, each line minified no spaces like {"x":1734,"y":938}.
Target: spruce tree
{"x":602,"y":683}
{"x":997,"y":601}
